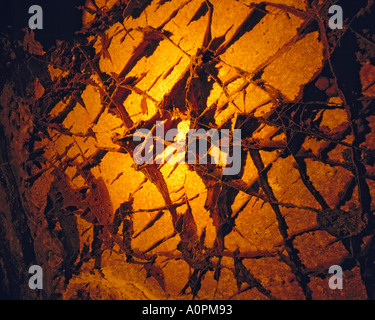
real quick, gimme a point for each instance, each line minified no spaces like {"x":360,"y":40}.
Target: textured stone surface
{"x":105,"y":228}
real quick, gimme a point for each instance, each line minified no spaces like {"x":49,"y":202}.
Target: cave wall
{"x":102,"y":227}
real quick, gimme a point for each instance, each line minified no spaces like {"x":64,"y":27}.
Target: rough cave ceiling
{"x":103,"y":227}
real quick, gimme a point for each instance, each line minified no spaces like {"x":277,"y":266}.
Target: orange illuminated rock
{"x":109,"y":227}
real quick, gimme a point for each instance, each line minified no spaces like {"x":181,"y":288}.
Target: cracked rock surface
{"x":102,"y":227}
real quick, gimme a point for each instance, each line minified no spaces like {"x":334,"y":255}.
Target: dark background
{"x":61,"y":18}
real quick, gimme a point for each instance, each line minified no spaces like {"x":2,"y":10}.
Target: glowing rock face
{"x":169,"y":72}
{"x":185,"y":228}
